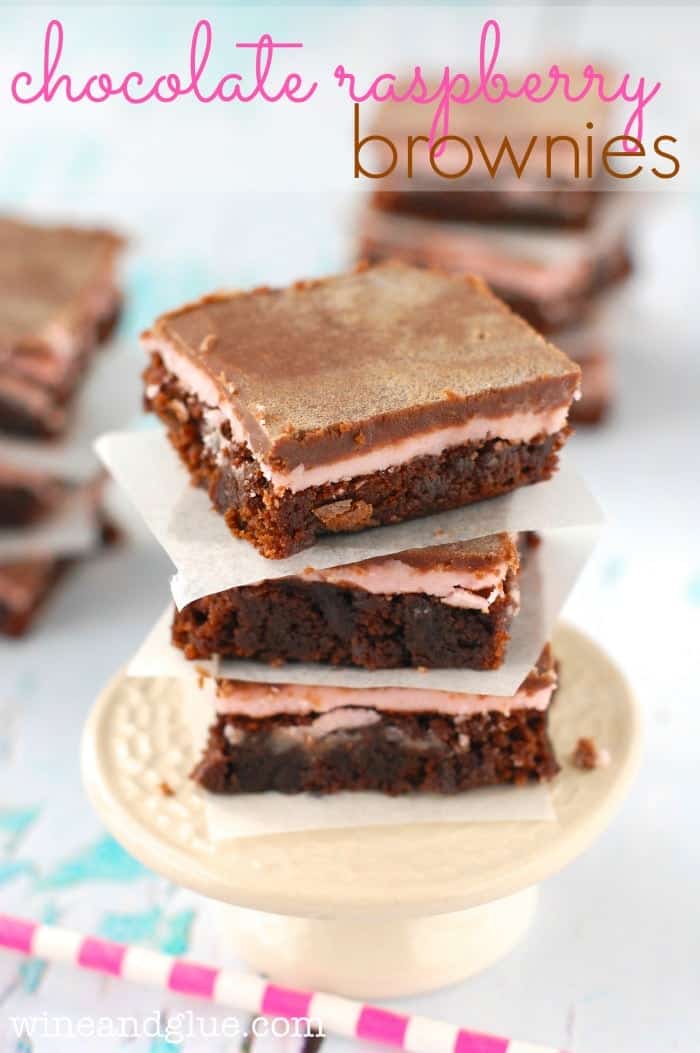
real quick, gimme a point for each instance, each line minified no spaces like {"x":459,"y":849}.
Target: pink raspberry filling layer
{"x":521,"y":426}
{"x":260,"y":701}
{"x":457,"y":588}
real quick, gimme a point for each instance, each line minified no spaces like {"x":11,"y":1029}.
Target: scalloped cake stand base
{"x":365,"y":912}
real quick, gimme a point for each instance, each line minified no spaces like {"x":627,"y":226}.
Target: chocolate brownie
{"x":58,"y":300}
{"x":26,"y":585}
{"x":443,"y":606}
{"x":556,"y":207}
{"x":551,"y":278}
{"x":27,"y":496}
{"x":587,"y":346}
{"x":319,"y":740}
{"x":371,"y":398}
{"x":24,"y":588}
{"x":597,"y":390}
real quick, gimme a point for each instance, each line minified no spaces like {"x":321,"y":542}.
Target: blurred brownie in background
{"x":552,"y":278}
{"x":24,"y":587}
{"x":27,"y":496}
{"x":26,"y":584}
{"x":588,"y":346}
{"x":538,"y":186}
{"x":58,"y":300}
{"x":552,"y":246}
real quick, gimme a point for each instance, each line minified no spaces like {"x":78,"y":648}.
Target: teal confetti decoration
{"x":33,"y":970}
{"x":168,"y":934}
{"x":164,"y":1045}
{"x":17,"y":822}
{"x":27,"y":684}
{"x":177,"y":931}
{"x":31,"y":973}
{"x":693,"y":591}
{"x":153,"y":286}
{"x":105,"y":860}
{"x":131,"y":928}
{"x":14,"y":868}
{"x":613,"y":571}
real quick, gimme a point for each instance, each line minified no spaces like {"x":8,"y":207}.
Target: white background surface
{"x":611,"y":963}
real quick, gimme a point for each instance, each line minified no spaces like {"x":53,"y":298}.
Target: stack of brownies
{"x":58,"y":302}
{"x":346,"y":404}
{"x":554,"y":247}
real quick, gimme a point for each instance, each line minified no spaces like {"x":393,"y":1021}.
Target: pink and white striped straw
{"x":246,"y":991}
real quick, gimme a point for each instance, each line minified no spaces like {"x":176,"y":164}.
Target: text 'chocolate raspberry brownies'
{"x":370,"y":398}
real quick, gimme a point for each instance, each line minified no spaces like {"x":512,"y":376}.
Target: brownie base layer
{"x":397,"y":754}
{"x":280,"y":524}
{"x":543,"y":208}
{"x":17,"y":420}
{"x":290,"y":620}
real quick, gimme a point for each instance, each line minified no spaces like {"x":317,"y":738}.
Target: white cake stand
{"x":365,"y":912}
